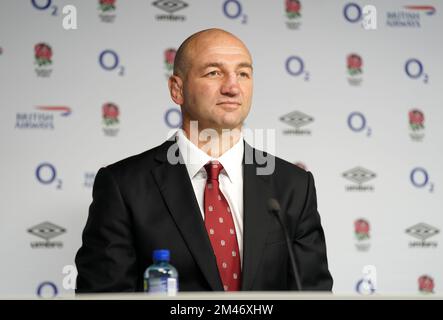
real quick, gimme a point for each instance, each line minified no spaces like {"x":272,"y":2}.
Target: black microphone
{"x":274,"y":208}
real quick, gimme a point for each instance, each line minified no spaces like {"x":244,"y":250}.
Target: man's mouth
{"x":228,"y":104}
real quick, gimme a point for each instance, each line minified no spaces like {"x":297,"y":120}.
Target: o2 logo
{"x":420,"y":179}
{"x":44,"y":5}
{"x":353,"y":13}
{"x":357,"y":123}
{"x":295,"y":66}
{"x":47,"y":290}
{"x":367,"y":285}
{"x":47,"y":174}
{"x":173,"y":118}
{"x":414,"y":70}
{"x":233,"y":10}
{"x":109,"y":60}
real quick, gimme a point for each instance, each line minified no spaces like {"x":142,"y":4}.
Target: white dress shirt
{"x":230,"y":178}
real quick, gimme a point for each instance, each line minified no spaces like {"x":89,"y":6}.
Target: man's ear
{"x":175,"y":84}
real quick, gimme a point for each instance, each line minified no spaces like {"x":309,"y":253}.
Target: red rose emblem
{"x":110,"y":113}
{"x":354,"y":61}
{"x":110,"y":110}
{"x":416,"y":120}
{"x":43,"y":54}
{"x":426,"y":284}
{"x":107,"y":2}
{"x":361,"y":226}
{"x":43,"y":51}
{"x":107,"y":5}
{"x":293,"y":6}
{"x":416,"y":117}
{"x":170,"y":56}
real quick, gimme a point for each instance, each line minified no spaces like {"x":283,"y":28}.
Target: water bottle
{"x":161,"y":277}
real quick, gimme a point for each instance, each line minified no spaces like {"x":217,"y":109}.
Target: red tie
{"x":221,"y":230}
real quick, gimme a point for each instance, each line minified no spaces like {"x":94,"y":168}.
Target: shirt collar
{"x":195,"y":158}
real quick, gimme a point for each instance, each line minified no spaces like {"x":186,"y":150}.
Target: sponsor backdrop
{"x":349,"y":90}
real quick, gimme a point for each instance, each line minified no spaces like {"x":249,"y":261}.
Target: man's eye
{"x":213,"y":73}
{"x":245,"y":75}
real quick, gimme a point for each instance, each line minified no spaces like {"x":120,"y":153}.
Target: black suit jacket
{"x":145,"y":203}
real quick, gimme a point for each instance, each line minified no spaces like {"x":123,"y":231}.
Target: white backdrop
{"x":54,"y":137}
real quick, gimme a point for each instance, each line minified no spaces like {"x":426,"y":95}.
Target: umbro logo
{"x":422,"y":232}
{"x":359,"y":175}
{"x":46,"y":231}
{"x":170,"y":6}
{"x":297,"y":120}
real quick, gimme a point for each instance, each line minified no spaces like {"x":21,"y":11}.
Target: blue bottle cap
{"x":161,"y":255}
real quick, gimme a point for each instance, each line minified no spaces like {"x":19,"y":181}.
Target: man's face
{"x":217,"y":87}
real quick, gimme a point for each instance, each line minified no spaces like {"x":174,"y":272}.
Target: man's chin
{"x":230,"y":122}
{"x":230,"y":126}
{"x":221,"y":123}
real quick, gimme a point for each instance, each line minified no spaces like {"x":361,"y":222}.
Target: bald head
{"x":198,"y":41}
{"x":212,"y":81}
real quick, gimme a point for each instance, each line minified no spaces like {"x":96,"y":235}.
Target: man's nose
{"x":230,"y":85}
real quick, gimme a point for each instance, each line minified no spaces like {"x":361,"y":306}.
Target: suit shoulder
{"x":288,"y":176}
{"x":287,"y":168}
{"x":284,"y":171}
{"x":135,"y":164}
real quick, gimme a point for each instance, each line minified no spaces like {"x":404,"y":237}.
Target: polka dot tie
{"x":221,"y":230}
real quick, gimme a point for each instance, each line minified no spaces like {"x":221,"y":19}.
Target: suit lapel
{"x":256,"y":219}
{"x":178,"y":193}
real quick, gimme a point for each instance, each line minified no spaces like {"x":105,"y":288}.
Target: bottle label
{"x":163,"y":285}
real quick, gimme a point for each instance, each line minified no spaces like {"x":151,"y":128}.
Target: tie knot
{"x":213,"y":169}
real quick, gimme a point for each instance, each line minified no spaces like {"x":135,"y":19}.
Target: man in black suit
{"x":161,"y":198}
